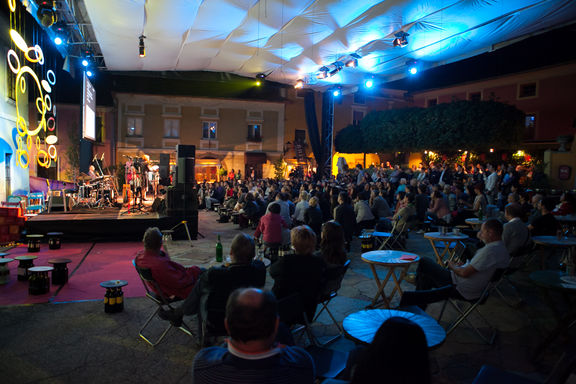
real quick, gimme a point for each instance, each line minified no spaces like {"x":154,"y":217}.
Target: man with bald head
{"x":251,"y":354}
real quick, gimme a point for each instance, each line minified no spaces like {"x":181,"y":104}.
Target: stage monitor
{"x":88,"y":110}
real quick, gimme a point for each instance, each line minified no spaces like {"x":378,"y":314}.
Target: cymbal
{"x":83,"y":177}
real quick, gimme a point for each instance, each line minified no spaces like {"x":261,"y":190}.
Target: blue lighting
{"x":413,"y":70}
{"x":58,"y":40}
{"x":368,"y":83}
{"x":89,"y":73}
{"x":85,"y":62}
{"x":336,"y":92}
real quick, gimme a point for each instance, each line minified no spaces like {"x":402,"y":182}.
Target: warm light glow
{"x":520,"y":153}
{"x":491,"y":150}
{"x":299,"y":84}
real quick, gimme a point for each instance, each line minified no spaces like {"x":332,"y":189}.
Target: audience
{"x":251,"y":354}
{"x":332,"y":244}
{"x":545,"y":224}
{"x":270,"y":227}
{"x":516,"y":235}
{"x":175,"y":281}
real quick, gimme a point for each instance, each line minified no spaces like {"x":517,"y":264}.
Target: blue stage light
{"x":413,"y":70}
{"x":336,"y":92}
{"x":85,"y":62}
{"x":58,"y":40}
{"x":368,"y":83}
{"x":89,"y":73}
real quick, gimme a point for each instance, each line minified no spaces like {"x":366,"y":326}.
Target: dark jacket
{"x":313,"y":218}
{"x":299,"y":274}
{"x":215,"y":285}
{"x":344,"y":214}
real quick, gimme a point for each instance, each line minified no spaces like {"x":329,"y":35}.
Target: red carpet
{"x":105,"y":261}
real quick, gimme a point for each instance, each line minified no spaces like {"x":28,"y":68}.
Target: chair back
{"x":497,"y":276}
{"x":148,"y":281}
{"x":333,"y":281}
{"x":291,"y":310}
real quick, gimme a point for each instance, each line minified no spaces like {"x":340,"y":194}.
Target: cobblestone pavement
{"x":77,"y":342}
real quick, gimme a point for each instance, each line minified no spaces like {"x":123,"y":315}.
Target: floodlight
{"x":85,"y":62}
{"x":336,"y":92}
{"x":299,"y":84}
{"x":141,"y":47}
{"x":400,"y":39}
{"x":89,"y":73}
{"x":58,"y":40}
{"x":368,"y":83}
{"x":46,"y":14}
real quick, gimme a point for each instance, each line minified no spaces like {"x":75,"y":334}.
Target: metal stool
{"x":38,"y":280}
{"x":34,"y":242}
{"x":60,"y":272}
{"x":54,"y":239}
{"x":25,"y":262}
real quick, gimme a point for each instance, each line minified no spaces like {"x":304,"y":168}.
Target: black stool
{"x":114,"y":297}
{"x":34,"y":242}
{"x":25,"y":262}
{"x":39,"y":281}
{"x":60,"y":272}
{"x":4,"y":270}
{"x":54,"y":239}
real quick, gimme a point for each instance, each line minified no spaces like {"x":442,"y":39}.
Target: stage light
{"x":58,"y":40}
{"x":299,"y":84}
{"x":336,"y":92}
{"x":412,"y":67}
{"x":46,"y":13}
{"x":353,"y":63}
{"x":85,"y":62}
{"x":322,"y":73}
{"x":368,"y":83}
{"x":333,"y":72}
{"x":89,"y":73}
{"x":413,"y":70}
{"x":141,"y":47}
{"x":401,"y":39}
{"x":260,"y":79}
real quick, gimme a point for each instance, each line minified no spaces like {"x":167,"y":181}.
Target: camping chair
{"x":333,"y":280}
{"x":497,"y":276}
{"x":162,"y":303}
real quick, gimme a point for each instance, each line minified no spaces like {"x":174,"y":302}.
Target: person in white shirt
{"x":469,"y":279}
{"x":516,"y":235}
{"x":491,"y":187}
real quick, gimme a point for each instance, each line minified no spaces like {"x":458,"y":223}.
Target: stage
{"x":108,"y":224}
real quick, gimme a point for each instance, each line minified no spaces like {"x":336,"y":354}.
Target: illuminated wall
{"x":21,"y":141}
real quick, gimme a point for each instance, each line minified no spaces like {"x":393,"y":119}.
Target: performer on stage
{"x":92,"y":172}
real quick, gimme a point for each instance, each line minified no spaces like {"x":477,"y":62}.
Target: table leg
{"x":381,"y":285}
{"x":438,"y":257}
{"x":397,"y":281}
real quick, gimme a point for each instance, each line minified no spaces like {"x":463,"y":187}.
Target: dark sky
{"x":554,"y":47}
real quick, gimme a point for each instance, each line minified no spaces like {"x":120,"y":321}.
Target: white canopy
{"x":292,"y":39}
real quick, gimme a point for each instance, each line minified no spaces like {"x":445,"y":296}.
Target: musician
{"x":92,"y":172}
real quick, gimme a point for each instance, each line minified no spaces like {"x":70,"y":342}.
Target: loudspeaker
{"x":164,"y":169}
{"x":186,"y":163}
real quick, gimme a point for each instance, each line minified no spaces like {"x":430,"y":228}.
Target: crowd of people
{"x":319,"y":220}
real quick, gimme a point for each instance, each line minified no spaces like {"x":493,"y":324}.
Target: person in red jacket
{"x":270,"y":227}
{"x":175,"y":280}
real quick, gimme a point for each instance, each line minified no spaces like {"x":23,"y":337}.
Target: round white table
{"x":391,"y":260}
{"x":447,"y":239}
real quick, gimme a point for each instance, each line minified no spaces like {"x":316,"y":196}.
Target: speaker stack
{"x":182,"y":198}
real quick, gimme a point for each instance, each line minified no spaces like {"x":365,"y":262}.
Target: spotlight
{"x":46,"y":13}
{"x":299,"y":84}
{"x":58,"y":40}
{"x":85,"y":62}
{"x":260,"y":79}
{"x":60,"y":34}
{"x":353,"y":63}
{"x":412,"y":67}
{"x":322,"y":73}
{"x":89,"y":73}
{"x":141,"y":47}
{"x":333,"y":72}
{"x":368,"y":83}
{"x":401,"y":39}
{"x":336,"y":92}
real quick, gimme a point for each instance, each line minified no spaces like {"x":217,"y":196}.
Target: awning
{"x":255,"y":157}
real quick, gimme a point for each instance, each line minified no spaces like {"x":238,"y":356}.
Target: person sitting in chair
{"x":208,"y":298}
{"x":471,"y":278}
{"x":251,"y":354}
{"x":174,"y":280}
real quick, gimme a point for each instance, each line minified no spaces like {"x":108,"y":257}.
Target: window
{"x":530,"y":126}
{"x":431,"y":102}
{"x":254,"y":132}
{"x":357,"y":116}
{"x":475,"y":96}
{"x":209,"y":130}
{"x":171,"y":128}
{"x":134,"y":126}
{"x":527,"y":90}
{"x":359,"y":98}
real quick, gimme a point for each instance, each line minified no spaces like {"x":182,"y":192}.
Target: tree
{"x":470,"y":125}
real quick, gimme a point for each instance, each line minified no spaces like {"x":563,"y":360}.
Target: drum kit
{"x":99,"y":192}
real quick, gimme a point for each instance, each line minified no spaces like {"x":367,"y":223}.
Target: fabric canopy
{"x":292,"y":39}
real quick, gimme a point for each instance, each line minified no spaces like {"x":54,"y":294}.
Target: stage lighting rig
{"x":400,"y":39}
{"x":46,"y":13}
{"x":299,"y":84}
{"x":141,"y":47}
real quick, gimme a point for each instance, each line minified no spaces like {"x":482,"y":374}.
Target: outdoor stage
{"x":107,"y":224}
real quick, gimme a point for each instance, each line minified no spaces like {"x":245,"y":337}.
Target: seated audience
{"x":546,"y":224}
{"x":379,"y":205}
{"x":471,"y":278}
{"x":270,"y":227}
{"x":364,"y":216}
{"x":344,"y":214}
{"x":566,"y":205}
{"x":300,"y":272}
{"x":439,"y":209}
{"x":516,"y":235}
{"x":332,"y":244}
{"x":208,"y":298}
{"x":385,"y":357}
{"x":174,"y":280}
{"x":313,"y":216}
{"x":251,"y":354}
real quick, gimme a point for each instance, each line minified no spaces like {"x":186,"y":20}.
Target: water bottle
{"x":219,"y":251}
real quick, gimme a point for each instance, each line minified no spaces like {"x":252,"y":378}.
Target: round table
{"x":38,"y":280}
{"x":54,"y":240}
{"x":362,"y":326}
{"x":114,"y":297}
{"x":391,"y":260}
{"x":60,"y":273}
{"x":552,"y":281}
{"x":4,"y":270}
{"x":447,"y":239}
{"x":25,"y":262}
{"x":475,"y":222}
{"x":553,"y":241}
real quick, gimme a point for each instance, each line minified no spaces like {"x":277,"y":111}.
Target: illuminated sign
{"x":25,"y":76}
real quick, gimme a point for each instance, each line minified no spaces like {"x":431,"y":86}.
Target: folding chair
{"x":473,"y":306}
{"x":517,"y":262}
{"x":391,"y":239}
{"x":333,"y":281}
{"x":457,"y":252}
{"x":291,"y":312}
{"x":162,"y":303}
